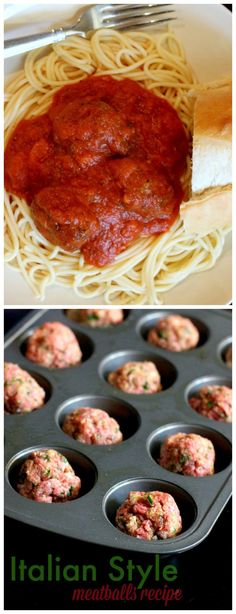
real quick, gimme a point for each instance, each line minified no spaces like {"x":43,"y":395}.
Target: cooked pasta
{"x":150,"y":266}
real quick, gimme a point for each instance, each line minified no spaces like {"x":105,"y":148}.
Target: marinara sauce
{"x":102,"y":167}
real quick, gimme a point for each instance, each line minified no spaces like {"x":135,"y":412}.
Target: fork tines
{"x":136,"y":15}
{"x":127,"y":7}
{"x":135,"y":9}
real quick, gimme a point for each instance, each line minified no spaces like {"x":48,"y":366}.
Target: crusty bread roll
{"x":210,"y":205}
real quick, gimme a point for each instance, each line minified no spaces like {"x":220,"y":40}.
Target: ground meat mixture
{"x":174,"y":333}
{"x":136,"y":378}
{"x":22,"y":394}
{"x":53,"y":345}
{"x":97,"y":318}
{"x":92,"y":426}
{"x":149,"y":515}
{"x":47,"y":477}
{"x":188,"y":454}
{"x":228,"y":356}
{"x":214,"y":402}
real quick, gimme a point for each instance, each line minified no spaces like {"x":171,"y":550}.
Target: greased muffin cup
{"x":109,"y":472}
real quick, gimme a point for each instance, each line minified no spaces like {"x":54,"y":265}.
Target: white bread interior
{"x":212,"y":139}
{"x":211,"y":203}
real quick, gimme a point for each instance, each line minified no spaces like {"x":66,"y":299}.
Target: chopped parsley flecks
{"x":162,"y":334}
{"x":183,"y":459}
{"x":47,"y":473}
{"x":210,"y":404}
{"x":15,"y":380}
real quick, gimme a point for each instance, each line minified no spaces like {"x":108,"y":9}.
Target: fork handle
{"x":27,"y":43}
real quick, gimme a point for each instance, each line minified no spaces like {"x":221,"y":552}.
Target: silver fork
{"x":88,"y":19}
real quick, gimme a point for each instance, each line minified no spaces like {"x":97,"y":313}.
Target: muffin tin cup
{"x":41,"y":381}
{"x":114,"y":470}
{"x":222,"y":349}
{"x":222,"y":446}
{"x":148,"y":322}
{"x":83,"y":467}
{"x":115,"y":360}
{"x":127,"y":417}
{"x":85,"y":342}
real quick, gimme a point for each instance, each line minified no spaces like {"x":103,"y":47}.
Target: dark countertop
{"x":204,"y":573}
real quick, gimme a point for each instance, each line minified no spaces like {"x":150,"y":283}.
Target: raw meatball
{"x":22,"y":393}
{"x":97,"y":318}
{"x":93,"y":426}
{"x":228,"y":356}
{"x":136,"y":378}
{"x":189,"y":454}
{"x":53,"y":345}
{"x":47,"y":477}
{"x":174,"y":333}
{"x":149,"y":515}
{"x":214,"y":402}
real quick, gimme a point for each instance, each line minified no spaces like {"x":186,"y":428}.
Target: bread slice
{"x":211,"y":202}
{"x":212,"y":139}
{"x":208,"y":211}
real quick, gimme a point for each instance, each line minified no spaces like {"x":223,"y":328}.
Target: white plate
{"x":206,"y":31}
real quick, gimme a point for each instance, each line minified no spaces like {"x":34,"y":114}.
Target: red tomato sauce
{"x":101,"y":168}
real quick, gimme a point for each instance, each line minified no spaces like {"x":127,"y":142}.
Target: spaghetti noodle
{"x":150,"y":266}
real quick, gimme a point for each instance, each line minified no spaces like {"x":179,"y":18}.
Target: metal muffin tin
{"x":108,"y":473}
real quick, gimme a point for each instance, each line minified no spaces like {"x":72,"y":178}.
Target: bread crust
{"x":210,"y":206}
{"x":213,"y":115}
{"x":207,"y":212}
